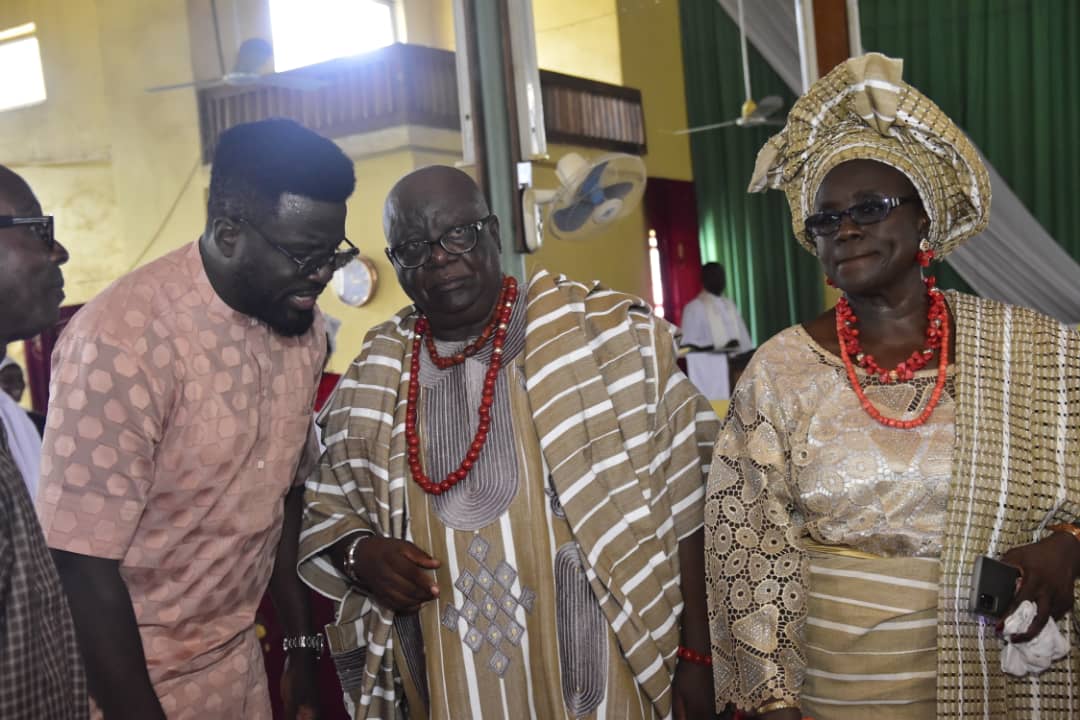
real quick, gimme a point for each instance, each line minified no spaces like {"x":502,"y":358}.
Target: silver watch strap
{"x":308,"y":642}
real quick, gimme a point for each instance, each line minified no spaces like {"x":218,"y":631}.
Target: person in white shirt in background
{"x":713,"y":329}
{"x":23,"y":437}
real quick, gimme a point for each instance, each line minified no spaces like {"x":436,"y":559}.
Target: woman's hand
{"x":1048,"y":573}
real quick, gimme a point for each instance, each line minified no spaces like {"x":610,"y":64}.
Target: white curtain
{"x":1014,"y":261}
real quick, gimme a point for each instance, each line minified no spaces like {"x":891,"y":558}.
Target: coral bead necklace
{"x":500,"y":321}
{"x":937,"y":339}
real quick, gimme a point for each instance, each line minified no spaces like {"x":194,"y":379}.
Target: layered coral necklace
{"x":497,"y":327}
{"x":937,"y":339}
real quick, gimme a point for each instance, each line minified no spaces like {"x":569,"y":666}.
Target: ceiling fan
{"x":251,"y":56}
{"x":753,"y":114}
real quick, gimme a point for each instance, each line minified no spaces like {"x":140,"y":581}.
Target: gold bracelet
{"x":1066,"y":528}
{"x":776,"y":705}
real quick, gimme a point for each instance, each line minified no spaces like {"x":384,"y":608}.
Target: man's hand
{"x":692,"y":686}
{"x":693,"y":692}
{"x":1049,"y":570}
{"x":108,"y":636}
{"x":299,"y":686}
{"x":395,"y":573}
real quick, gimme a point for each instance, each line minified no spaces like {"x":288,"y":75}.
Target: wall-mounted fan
{"x":591,"y":195}
{"x":753,"y":114}
{"x":252,"y":55}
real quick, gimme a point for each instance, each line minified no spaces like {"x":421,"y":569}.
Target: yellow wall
{"x":651,"y":42}
{"x":576,"y":37}
{"x":427,"y":22}
{"x":72,"y":65}
{"x":579,"y":37}
{"x":108,"y":159}
{"x":153,"y":137}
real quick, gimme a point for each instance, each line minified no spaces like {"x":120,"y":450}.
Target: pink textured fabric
{"x":176,"y":426}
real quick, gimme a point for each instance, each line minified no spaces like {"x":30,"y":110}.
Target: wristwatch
{"x":305,"y":642}
{"x":1067,"y":528}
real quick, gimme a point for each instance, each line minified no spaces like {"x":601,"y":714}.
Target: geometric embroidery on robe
{"x":486,"y":616}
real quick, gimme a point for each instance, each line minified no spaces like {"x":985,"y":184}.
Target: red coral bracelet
{"x":694,"y":656}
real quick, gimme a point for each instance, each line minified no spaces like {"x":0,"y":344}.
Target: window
{"x":657,"y":275}
{"x":312,"y":31}
{"x":20,"y":66}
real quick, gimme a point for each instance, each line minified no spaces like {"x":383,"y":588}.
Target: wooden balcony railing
{"x":415,"y":85}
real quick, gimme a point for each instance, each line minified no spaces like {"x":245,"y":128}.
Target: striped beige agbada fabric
{"x":516,"y":631}
{"x":591,"y":385}
{"x":1016,"y":470}
{"x":871,"y":637}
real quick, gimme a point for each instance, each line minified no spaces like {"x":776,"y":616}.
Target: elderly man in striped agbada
{"x":509,"y":509}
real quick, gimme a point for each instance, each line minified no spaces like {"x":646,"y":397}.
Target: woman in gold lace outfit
{"x":871,"y":455}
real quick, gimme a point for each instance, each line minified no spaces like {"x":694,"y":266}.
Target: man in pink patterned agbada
{"x":180,"y":434}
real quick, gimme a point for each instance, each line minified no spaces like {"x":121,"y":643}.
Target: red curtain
{"x":39,"y":359}
{"x":671,"y":210}
{"x":326,"y":386}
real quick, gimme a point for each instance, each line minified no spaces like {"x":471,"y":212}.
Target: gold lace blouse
{"x":798,"y":457}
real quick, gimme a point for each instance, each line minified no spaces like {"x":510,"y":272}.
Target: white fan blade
{"x":703,"y":128}
{"x":767,"y":107}
{"x":292,"y":82}
{"x":198,"y":85}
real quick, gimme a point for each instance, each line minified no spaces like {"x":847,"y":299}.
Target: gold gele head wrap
{"x":863,"y":110}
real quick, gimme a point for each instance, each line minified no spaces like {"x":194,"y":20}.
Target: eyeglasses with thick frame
{"x":42,"y":225}
{"x":867,"y":212}
{"x":458,"y":240}
{"x":311,"y":264}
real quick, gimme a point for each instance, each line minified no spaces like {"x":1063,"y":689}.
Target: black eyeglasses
{"x":867,"y":212}
{"x":41,"y":225}
{"x":311,"y":264}
{"x":456,"y":241}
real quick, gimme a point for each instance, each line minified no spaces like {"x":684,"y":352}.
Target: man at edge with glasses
{"x":509,"y":510}
{"x":39,"y":659}
{"x":180,"y":435}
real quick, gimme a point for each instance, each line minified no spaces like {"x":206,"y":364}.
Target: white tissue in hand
{"x":1035,"y":655}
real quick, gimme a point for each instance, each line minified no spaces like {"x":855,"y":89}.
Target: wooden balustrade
{"x":415,"y":85}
